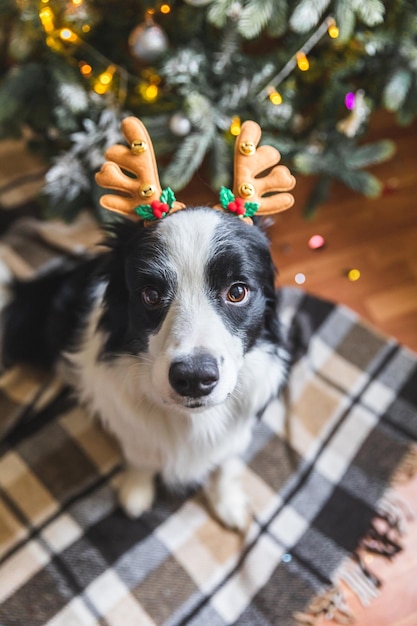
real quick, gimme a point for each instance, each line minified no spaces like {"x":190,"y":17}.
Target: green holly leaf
{"x":251,"y":208}
{"x":226,"y":196}
{"x":144,"y":211}
{"x":168,"y":197}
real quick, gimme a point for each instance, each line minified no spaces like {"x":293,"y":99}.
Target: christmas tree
{"x":310,"y":72}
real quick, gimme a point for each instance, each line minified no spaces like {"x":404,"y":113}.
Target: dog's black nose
{"x":194,"y":376}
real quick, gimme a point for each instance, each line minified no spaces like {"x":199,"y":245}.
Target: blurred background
{"x":333,"y":84}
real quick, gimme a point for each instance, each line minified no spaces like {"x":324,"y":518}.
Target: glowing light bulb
{"x":333,"y":29}
{"x":150,"y":93}
{"x":46,"y":17}
{"x":85,"y":69}
{"x":302,"y":61}
{"x":165,"y":8}
{"x":104,"y":80}
{"x":333,"y":32}
{"x":275,"y":97}
{"x":51,"y":42}
{"x":66,"y":34}
{"x":99,"y":88}
{"x":235,"y":126}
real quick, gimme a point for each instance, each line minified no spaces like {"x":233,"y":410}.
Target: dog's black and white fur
{"x":171,"y":338}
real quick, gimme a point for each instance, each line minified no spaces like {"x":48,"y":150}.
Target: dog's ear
{"x":120,"y":234}
{"x":114,"y":320}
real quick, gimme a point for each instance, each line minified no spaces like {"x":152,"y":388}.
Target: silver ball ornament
{"x":179,"y":125}
{"x":147,"y":42}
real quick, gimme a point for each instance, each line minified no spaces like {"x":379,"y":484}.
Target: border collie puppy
{"x":171,"y":338}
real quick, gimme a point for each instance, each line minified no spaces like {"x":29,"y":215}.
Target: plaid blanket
{"x":318,"y":475}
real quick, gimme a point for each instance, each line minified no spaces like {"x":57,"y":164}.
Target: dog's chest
{"x":181,"y":447}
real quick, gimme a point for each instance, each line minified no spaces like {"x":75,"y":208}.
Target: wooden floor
{"x":376,"y":236}
{"x":379,"y":238}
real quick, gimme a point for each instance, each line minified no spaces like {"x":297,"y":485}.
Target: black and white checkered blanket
{"x":318,"y":474}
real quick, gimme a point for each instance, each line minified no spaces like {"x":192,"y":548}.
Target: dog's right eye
{"x":151,"y":296}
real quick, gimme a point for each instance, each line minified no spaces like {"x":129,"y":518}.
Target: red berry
{"x":159,"y":209}
{"x":232,"y":206}
{"x":240,"y":206}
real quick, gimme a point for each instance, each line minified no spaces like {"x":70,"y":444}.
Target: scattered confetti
{"x":353,"y":275}
{"x":390,"y":186}
{"x":316,"y":242}
{"x":300,"y":278}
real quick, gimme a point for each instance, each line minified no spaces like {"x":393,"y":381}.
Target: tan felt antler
{"x":250,"y":162}
{"x":139,"y":160}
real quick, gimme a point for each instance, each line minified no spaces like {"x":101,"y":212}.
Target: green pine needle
{"x":307,"y":14}
{"x":370,"y":154}
{"x":397,"y":88}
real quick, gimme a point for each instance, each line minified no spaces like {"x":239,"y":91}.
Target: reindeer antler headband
{"x":260,"y":184}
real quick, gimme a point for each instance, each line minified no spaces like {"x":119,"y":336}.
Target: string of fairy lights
{"x":109,"y":76}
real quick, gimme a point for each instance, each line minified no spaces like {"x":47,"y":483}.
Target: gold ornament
{"x":247,"y":148}
{"x":147,"y":190}
{"x":246,"y":190}
{"x":138,"y":146}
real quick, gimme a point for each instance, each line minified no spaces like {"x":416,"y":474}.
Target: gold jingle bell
{"x":246,"y":190}
{"x":138,"y":146}
{"x":146,"y":190}
{"x":247,"y":148}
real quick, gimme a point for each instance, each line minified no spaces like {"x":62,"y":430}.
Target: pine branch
{"x":396,"y":89}
{"x":307,"y":15}
{"x":219,"y":11}
{"x":362,"y":182}
{"x":371,"y":12}
{"x":221,"y":157}
{"x":18,"y":90}
{"x":345,"y":18}
{"x":228,"y":49}
{"x":255,"y":17}
{"x":370,"y":154}
{"x":187,"y":159}
{"x":247,"y":88}
{"x":278,"y":22}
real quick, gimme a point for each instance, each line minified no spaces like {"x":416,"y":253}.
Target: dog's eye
{"x":151,"y":296}
{"x":237,"y":293}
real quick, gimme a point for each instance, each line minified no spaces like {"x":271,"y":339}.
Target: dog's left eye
{"x":151,"y":296}
{"x":237,"y":293}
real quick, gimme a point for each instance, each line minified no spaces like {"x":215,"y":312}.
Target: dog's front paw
{"x":136,"y":492}
{"x":233,"y":510}
{"x":227,"y":498}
